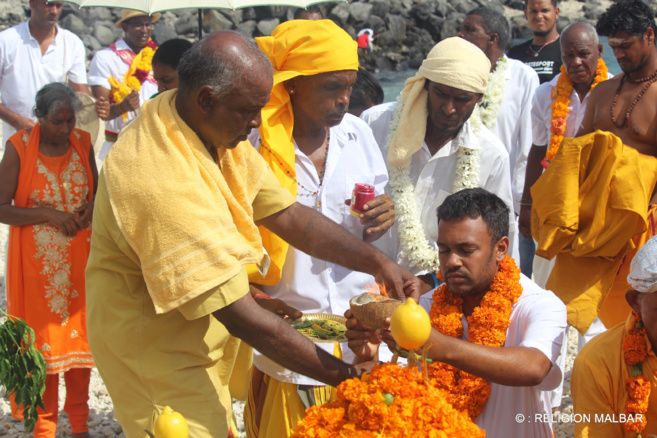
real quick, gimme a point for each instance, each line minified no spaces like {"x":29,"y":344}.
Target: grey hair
{"x":55,"y":96}
{"x":201,"y":65}
{"x":588,"y":28}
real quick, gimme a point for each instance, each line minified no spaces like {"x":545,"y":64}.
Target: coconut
{"x":372,"y":309}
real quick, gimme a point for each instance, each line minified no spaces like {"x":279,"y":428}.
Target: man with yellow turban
{"x":436,"y":145}
{"x":318,"y":152}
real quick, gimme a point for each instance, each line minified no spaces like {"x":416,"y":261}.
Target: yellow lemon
{"x":410,"y":325}
{"x":170,"y":424}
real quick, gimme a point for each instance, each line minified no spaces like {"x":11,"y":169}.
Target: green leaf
{"x":22,"y":368}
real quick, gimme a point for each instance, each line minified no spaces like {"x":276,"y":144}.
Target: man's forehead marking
{"x":617,"y":40}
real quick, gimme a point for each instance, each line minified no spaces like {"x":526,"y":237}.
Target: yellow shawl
{"x":189,"y":220}
{"x":588,"y":206}
{"x":295,"y":48}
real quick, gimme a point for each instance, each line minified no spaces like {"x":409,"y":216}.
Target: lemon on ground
{"x":410,"y":325}
{"x":170,"y":424}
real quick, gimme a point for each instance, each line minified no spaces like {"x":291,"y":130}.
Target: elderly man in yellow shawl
{"x":595,"y":204}
{"x":319,"y":152}
{"x":174,"y":226}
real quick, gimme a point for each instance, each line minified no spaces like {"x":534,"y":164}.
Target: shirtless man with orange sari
{"x":597,"y":195}
{"x":625,"y":106}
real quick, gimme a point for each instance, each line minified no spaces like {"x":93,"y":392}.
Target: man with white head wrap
{"x":614,"y":373}
{"x":436,"y":145}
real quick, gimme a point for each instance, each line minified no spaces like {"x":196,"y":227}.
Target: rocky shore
{"x":406,"y":29}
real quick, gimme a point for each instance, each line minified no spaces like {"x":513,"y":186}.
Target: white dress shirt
{"x":542,"y":112}
{"x":538,"y":320}
{"x":24,"y":70}
{"x":434,"y":176}
{"x":514,"y":121}
{"x":104,"y":64}
{"x":310,"y":284}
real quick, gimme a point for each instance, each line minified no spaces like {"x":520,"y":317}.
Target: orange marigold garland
{"x":410,"y":408}
{"x":486,"y":326}
{"x":635,"y":351}
{"x":560,"y":101}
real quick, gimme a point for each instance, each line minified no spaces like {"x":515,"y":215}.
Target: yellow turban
{"x":295,"y":48}
{"x":453,"y":62}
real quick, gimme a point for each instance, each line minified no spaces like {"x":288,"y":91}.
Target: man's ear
{"x":501,"y":249}
{"x":494,"y":40}
{"x":632,"y":298}
{"x":205,"y":98}
{"x":650,"y":35}
{"x":290,"y":85}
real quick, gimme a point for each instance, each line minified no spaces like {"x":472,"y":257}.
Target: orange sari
{"x":45,"y":268}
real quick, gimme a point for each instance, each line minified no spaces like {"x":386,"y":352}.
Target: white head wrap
{"x":643,"y":270}
{"x":457,"y":63}
{"x":453,"y":62}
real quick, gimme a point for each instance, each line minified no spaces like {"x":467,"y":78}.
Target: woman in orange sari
{"x":50,"y":175}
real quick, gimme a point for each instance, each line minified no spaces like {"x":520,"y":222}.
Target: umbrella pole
{"x":200,"y":24}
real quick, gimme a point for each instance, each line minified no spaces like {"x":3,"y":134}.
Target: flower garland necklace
{"x":414,"y":246}
{"x":635,"y":352}
{"x":561,"y":99}
{"x":490,"y":103}
{"x":486,"y":326}
{"x":390,"y":401}
{"x":138,"y":72}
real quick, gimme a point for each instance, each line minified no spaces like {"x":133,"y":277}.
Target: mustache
{"x":456,"y":271}
{"x":339,"y":113}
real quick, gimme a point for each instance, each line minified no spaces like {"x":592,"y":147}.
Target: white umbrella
{"x":152,"y":6}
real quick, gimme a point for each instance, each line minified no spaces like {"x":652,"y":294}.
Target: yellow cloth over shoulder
{"x":589,"y":205}
{"x":189,"y":220}
{"x":295,"y":48}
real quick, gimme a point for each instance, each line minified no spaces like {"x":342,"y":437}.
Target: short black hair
{"x":171,"y":51}
{"x":631,"y":16}
{"x":494,"y":22}
{"x":366,"y":91}
{"x":312,"y":9}
{"x":477,"y":203}
{"x":554,"y":3}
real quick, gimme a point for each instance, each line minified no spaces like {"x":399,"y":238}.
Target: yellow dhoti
{"x":274,"y":408}
{"x":590,"y":211}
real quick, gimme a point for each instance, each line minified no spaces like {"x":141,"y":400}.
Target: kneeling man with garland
{"x":486,"y":303}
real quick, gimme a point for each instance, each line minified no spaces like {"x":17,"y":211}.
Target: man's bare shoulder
{"x":608,"y":86}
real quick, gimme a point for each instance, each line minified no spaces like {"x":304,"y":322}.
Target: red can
{"x":362,"y":194}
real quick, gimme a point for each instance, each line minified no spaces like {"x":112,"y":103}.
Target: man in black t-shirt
{"x":543,"y":52}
